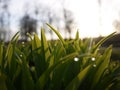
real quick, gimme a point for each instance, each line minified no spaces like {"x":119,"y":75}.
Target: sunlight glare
{"x":93,"y":21}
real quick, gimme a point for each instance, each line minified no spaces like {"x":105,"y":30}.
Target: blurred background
{"x":92,"y":18}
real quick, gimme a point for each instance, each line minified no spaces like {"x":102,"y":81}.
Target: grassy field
{"x":60,"y":65}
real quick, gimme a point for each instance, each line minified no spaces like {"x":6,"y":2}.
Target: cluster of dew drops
{"x":76,"y":59}
{"x":23,"y":45}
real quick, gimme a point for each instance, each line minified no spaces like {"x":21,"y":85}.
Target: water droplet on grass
{"x":76,"y":59}
{"x":23,"y":42}
{"x":21,"y":55}
{"x":93,"y":59}
{"x":94,"y":65}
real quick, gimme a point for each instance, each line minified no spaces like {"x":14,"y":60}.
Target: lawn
{"x":65,"y":65}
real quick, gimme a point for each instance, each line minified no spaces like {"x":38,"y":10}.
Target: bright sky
{"x":92,"y":20}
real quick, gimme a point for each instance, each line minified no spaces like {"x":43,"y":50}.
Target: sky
{"x":92,"y":19}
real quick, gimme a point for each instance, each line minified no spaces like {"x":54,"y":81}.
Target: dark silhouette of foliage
{"x":4,"y":19}
{"x":27,"y":25}
{"x":117,"y":25}
{"x":69,"y":20}
{"x":44,"y":14}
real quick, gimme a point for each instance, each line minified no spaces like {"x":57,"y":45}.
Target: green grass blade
{"x":76,"y":82}
{"x":9,"y":54}
{"x":15,"y":37}
{"x":44,"y":77}
{"x":1,"y":55}
{"x":2,"y":82}
{"x":77,"y":42}
{"x":11,"y":62}
{"x":59,"y":51}
{"x":12,"y":42}
{"x":102,"y":41}
{"x":30,"y":36}
{"x":105,"y":62}
{"x":77,"y":36}
{"x":36,"y":43}
{"x":27,"y":81}
{"x":44,"y":44}
{"x":57,"y":33}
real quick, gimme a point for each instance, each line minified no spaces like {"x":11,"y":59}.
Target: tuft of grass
{"x":62,"y":65}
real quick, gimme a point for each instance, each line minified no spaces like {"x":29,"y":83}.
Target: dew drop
{"x":23,"y":42}
{"x":93,"y":59}
{"x":94,"y":65}
{"x":76,"y":59}
{"x":21,"y":55}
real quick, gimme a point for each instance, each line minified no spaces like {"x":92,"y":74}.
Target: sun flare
{"x":93,"y":20}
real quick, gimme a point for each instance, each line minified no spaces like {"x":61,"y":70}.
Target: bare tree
{"x":44,"y":15}
{"x":27,"y":25}
{"x":116,"y":24}
{"x":4,"y":19}
{"x":50,"y":21}
{"x":69,"y":20}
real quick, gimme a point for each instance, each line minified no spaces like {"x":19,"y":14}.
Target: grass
{"x":63,"y":65}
